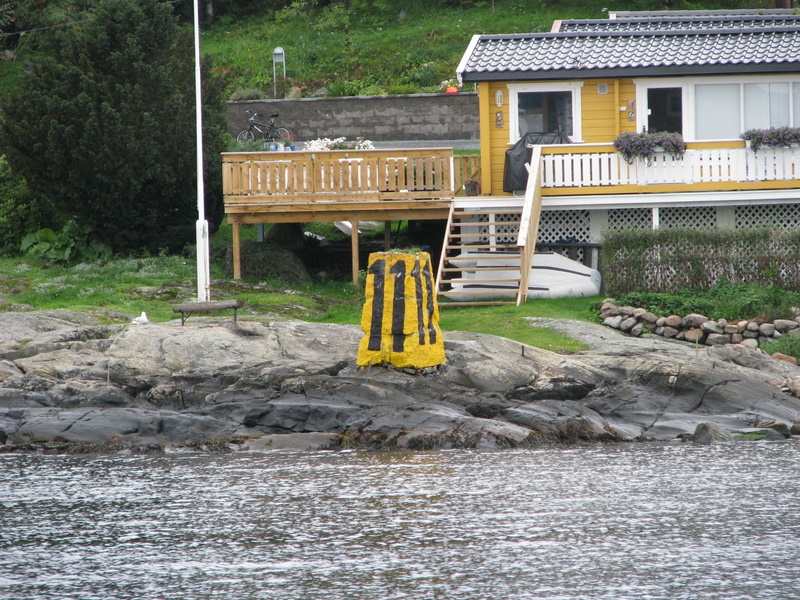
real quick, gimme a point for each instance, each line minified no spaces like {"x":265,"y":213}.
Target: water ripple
{"x":634,"y":521}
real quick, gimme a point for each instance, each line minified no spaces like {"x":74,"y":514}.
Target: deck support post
{"x":354,"y":250}
{"x":237,"y":258}
{"x":387,"y":235}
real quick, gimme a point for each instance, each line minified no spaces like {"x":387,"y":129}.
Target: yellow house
{"x":560,"y":100}
{"x":709,"y":75}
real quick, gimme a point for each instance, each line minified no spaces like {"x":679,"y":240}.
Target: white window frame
{"x":687,"y":95}
{"x":688,"y":84}
{"x":514,"y":89}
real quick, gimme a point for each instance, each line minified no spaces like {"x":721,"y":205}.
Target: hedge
{"x":671,"y":260}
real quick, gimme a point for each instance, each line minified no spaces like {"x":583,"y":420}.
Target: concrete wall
{"x":378,"y":118}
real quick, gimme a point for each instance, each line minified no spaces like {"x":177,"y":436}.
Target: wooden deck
{"x":341,"y":185}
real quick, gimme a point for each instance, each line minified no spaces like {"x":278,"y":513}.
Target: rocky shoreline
{"x":69,"y":383}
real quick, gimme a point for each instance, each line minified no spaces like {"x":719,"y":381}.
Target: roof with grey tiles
{"x":680,"y":23}
{"x":575,"y":55}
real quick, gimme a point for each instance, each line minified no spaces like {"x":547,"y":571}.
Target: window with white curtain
{"x":725,"y":110}
{"x":717,"y":111}
{"x":766,"y":105}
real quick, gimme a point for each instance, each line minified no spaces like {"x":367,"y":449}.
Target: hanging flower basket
{"x":646,"y":146}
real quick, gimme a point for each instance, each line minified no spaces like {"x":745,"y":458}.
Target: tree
{"x":102,"y":125}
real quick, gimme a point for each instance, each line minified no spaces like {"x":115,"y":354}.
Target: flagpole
{"x":201,"y":226}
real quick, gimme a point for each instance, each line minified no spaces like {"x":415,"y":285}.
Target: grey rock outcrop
{"x":73,"y":381}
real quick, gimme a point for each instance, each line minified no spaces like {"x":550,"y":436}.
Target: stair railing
{"x":529,"y":222}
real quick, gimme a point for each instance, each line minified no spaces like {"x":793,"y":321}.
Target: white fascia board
{"x":462,"y":64}
{"x":606,"y":201}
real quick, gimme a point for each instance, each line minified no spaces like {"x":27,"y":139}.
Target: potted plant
{"x":647,"y":145}
{"x":774,"y":137}
{"x":450,"y":86}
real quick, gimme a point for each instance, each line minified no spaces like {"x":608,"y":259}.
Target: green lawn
{"x":124,"y":287}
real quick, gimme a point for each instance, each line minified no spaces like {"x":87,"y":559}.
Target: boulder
{"x":659,"y":331}
{"x":742,"y":325}
{"x":638,"y":312}
{"x":722,"y":322}
{"x":211,"y":384}
{"x":626,"y":310}
{"x":749,"y":343}
{"x":628,"y":324}
{"x":766,"y":329}
{"x":661,"y":321}
{"x":717,"y":339}
{"x":695,"y":320}
{"x":636,"y":330}
{"x":752,"y":326}
{"x":648,"y":317}
{"x":712,"y":327}
{"x":709,"y":433}
{"x":731,"y":329}
{"x":784,"y":357}
{"x":736,"y":338}
{"x":673,"y":321}
{"x":613,"y":322}
{"x":694,"y":335}
{"x":784,"y":325}
{"x":669,"y":332}
{"x":749,"y":334}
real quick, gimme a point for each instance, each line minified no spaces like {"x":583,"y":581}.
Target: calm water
{"x":637,"y":521}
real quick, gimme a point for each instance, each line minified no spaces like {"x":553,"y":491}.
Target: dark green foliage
{"x":775,"y":137}
{"x":722,"y":301}
{"x":788,"y":344}
{"x":103,"y":125}
{"x":645,"y":145}
{"x":68,"y":245}
{"x":672,"y":260}
{"x":20,"y":210}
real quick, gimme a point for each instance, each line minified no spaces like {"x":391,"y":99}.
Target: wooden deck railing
{"x":466,"y":168}
{"x":289,"y":177}
{"x":529,"y":222}
{"x":598,"y":168}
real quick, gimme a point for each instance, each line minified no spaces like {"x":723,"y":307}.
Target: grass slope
{"x":122,"y":288}
{"x":411,"y":47}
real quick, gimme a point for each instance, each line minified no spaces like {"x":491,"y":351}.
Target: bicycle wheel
{"x":245,"y":137}
{"x":281,"y":133}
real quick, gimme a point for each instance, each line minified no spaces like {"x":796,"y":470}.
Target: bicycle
{"x":268,"y":131}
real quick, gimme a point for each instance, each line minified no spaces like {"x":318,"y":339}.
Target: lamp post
{"x":278,"y":58}
{"x":201,"y":226}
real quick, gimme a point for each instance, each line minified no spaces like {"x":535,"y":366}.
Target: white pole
{"x":201,"y":227}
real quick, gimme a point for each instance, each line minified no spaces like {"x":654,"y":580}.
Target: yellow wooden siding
{"x":601,"y":120}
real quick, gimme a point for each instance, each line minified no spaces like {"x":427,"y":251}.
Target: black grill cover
{"x":515,"y":175}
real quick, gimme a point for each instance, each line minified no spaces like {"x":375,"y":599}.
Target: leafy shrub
{"x":722,"y":301}
{"x":102,"y":125}
{"x":344,"y":88}
{"x":247,"y":94}
{"x":669,"y":260}
{"x":788,"y":344}
{"x":425,"y":74}
{"x":645,"y":145}
{"x":70,"y":244}
{"x":775,"y":137}
{"x":20,"y":210}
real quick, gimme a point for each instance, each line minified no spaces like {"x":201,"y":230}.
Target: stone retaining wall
{"x":377,"y":118}
{"x":696,"y":328}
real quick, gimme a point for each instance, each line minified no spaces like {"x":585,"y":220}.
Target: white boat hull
{"x":552,"y":276}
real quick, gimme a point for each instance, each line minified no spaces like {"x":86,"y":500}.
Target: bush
{"x":673,"y":260}
{"x":20,"y":210}
{"x":645,"y":145}
{"x":788,"y":344}
{"x":247,"y":94}
{"x":102,"y":125}
{"x":70,"y":244}
{"x":722,"y":301}
{"x":775,"y":137}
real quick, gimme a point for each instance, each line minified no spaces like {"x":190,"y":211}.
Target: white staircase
{"x":489,"y":246}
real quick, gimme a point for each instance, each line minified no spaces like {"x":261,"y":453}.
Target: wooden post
{"x":237,"y":262}
{"x":354,"y":250}
{"x":387,"y":235}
